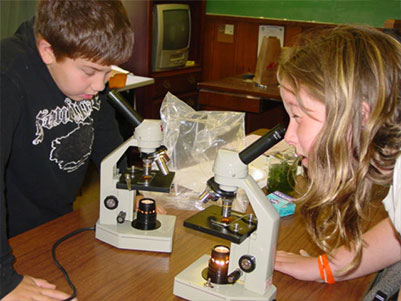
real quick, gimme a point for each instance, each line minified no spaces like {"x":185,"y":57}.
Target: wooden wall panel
{"x":291,"y":32}
{"x":227,"y":56}
{"x":208,"y":47}
{"x":219,"y":49}
{"x":246,"y":48}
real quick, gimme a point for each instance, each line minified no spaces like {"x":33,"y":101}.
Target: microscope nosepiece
{"x":213,"y":192}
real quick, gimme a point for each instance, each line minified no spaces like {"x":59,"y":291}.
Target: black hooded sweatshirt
{"x":47,"y":140}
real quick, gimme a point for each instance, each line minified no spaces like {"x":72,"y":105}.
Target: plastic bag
{"x":193,"y":139}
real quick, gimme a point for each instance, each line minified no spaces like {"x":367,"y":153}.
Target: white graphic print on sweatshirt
{"x":73,"y":149}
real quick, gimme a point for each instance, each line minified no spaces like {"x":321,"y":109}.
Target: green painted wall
{"x":371,"y":12}
{"x":13,"y":13}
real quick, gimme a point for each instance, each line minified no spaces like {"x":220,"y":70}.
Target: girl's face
{"x":305,"y":123}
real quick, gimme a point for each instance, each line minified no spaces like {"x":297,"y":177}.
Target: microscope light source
{"x":218,"y":264}
{"x":146,"y":215}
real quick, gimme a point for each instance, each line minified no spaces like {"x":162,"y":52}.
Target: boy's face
{"x":78,"y":78}
{"x":305,"y":124}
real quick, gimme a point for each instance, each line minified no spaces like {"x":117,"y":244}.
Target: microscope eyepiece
{"x":275,"y":135}
{"x":121,"y":104}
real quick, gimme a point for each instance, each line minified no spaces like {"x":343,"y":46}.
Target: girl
{"x":341,"y":88}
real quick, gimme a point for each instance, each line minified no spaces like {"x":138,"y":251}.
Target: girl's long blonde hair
{"x":347,"y":68}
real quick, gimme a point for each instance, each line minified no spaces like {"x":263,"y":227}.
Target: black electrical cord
{"x":60,"y":267}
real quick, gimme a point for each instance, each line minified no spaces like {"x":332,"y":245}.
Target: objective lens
{"x":208,"y":195}
{"x":146,"y":215}
{"x":204,"y":197}
{"x":218,"y":264}
{"x":226,"y":208}
{"x":147,"y":168}
{"x":162,"y":164}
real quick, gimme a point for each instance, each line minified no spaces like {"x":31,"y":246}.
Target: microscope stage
{"x":158,"y":182}
{"x":209,"y":221}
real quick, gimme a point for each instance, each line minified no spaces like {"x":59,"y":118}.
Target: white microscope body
{"x":255,"y":253}
{"x":118,"y":193}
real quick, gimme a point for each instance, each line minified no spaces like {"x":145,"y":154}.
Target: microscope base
{"x":190,"y":284}
{"x":124,"y":236}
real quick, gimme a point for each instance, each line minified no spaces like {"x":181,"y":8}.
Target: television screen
{"x":176,"y":29}
{"x":171,"y":35}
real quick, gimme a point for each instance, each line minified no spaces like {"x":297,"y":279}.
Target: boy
{"x":53,"y":119}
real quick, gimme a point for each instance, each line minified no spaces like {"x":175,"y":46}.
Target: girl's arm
{"x":382,"y":248}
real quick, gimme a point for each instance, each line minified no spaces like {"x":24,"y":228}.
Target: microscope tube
{"x":261,"y":145}
{"x":119,"y":102}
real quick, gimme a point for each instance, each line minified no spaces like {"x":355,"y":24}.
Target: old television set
{"x":171,"y":36}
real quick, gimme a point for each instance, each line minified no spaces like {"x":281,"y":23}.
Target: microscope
{"x":118,"y":224}
{"x":243,"y":271}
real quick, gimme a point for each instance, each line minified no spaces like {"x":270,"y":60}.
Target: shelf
{"x":173,"y":72}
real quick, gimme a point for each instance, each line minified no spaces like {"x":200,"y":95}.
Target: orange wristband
{"x":321,"y":269}
{"x":325,"y":270}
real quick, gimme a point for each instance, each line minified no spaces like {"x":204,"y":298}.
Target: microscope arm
{"x":147,"y":137}
{"x":109,"y":175}
{"x":261,"y":244}
{"x":231,"y":172}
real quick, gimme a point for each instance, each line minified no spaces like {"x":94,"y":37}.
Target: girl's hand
{"x":35,"y":289}
{"x":301,"y":267}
